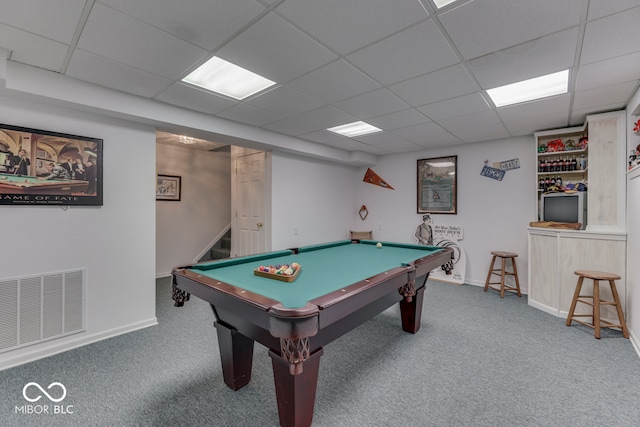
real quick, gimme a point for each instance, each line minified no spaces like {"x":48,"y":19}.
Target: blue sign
{"x":493,"y":173}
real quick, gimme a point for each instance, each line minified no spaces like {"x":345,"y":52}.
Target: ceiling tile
{"x":250,"y":115}
{"x":311,"y":121}
{"x":444,"y":139}
{"x":388,"y":140}
{"x":419,"y":131}
{"x":285,"y":101}
{"x":412,"y":52}
{"x":397,"y":120}
{"x":617,"y":70}
{"x":615,"y":35}
{"x":276,"y":50}
{"x":201,"y":22}
{"x":334,"y":82}
{"x":600,"y":8}
{"x":604,"y":96}
{"x":437,"y":86}
{"x":56,"y":20}
{"x":108,"y":73}
{"x":189,"y":97}
{"x":371,"y":104}
{"x":529,"y":117}
{"x":349,"y":25}
{"x":533,"y":58}
{"x":351,"y":145}
{"x":460,"y":106}
{"x":481,"y":27}
{"x":475,"y":127}
{"x":31,"y":49}
{"x":113,"y":35}
{"x":323,"y":137}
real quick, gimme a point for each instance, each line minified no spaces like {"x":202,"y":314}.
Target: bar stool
{"x":596,"y":302}
{"x":502,"y":272}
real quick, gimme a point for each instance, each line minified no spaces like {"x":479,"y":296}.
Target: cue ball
{"x":378,"y":245}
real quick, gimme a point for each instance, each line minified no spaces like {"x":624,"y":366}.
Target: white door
{"x":250,"y":204}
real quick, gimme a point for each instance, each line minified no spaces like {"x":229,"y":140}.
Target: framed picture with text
{"x":41,"y":167}
{"x":168,"y":187}
{"x":437,"y":185}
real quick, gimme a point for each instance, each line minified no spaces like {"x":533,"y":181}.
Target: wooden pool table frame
{"x":296,"y":336}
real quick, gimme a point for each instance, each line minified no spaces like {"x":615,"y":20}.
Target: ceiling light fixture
{"x":442,"y":3}
{"x":528,"y":90}
{"x":186,"y":140}
{"x":220,"y":76}
{"x":354,"y":129}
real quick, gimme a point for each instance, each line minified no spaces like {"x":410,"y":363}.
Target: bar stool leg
{"x":576,"y":294}
{"x":623,"y":324}
{"x":515,"y":274}
{"x":502,"y":276}
{"x":486,"y":283}
{"x":596,"y":307}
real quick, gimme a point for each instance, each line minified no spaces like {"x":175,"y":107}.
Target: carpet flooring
{"x":478,"y":360}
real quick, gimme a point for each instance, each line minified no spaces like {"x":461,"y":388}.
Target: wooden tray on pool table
{"x":281,"y":277}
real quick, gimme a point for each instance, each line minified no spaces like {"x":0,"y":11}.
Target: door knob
{"x":259,"y":224}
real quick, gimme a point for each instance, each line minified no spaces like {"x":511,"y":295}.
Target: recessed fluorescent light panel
{"x":442,"y":3}
{"x":220,"y":76}
{"x":354,"y":129}
{"x":528,"y":90}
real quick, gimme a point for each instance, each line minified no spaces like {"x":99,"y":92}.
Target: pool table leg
{"x":296,"y":394}
{"x":236,"y":356}
{"x":411,"y":312}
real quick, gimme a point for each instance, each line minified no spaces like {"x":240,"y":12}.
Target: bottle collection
{"x":544,"y":183}
{"x":562,"y":164}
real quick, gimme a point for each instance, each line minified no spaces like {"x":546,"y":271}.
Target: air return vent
{"x":41,"y":308}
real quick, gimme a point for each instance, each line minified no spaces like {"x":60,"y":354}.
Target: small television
{"x":564,"y":207}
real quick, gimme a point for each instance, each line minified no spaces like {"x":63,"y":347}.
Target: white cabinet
{"x":554,"y":255}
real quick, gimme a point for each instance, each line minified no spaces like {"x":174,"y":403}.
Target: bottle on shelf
{"x":583,"y":162}
{"x":554,"y":165}
{"x":542,"y":165}
{"x":574,"y":164}
{"x":559,"y":182}
{"x":632,"y":159}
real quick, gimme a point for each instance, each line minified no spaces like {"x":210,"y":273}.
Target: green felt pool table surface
{"x":324,"y":268}
{"x":12,"y":184}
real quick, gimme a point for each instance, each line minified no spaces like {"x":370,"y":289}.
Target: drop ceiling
{"x":418,"y":73}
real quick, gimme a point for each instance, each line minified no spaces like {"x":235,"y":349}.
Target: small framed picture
{"x":168,"y":187}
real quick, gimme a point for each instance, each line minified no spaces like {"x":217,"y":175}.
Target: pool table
{"x":340,"y":285}
{"x":16,"y":184}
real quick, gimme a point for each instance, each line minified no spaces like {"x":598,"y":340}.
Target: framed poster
{"x":40,"y":167}
{"x":168,"y":187}
{"x":437,"y":185}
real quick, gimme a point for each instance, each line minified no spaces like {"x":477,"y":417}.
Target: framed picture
{"x":168,"y":187}
{"x":437,"y":185}
{"x":40,"y":167}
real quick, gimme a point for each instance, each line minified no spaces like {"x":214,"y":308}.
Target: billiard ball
{"x":378,"y":245}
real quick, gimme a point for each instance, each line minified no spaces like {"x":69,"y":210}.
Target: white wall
{"x":494,"y":214}
{"x":115,"y":243}
{"x":315,"y":197}
{"x":185,"y":228}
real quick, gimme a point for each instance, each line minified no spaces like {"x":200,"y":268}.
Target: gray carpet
{"x":477,"y":361}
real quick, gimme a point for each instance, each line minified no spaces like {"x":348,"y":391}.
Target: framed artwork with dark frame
{"x":40,"y":167}
{"x":437,"y":185}
{"x":168,"y":187}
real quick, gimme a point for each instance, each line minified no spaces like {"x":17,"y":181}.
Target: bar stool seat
{"x":595,"y":302}
{"x":503,"y":273}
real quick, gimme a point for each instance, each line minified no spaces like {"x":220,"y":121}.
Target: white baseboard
{"x":24,"y":355}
